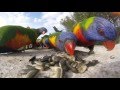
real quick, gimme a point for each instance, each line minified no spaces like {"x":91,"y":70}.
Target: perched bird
{"x":44,"y":42}
{"x":63,"y":41}
{"x":14,"y":37}
{"x":93,"y":30}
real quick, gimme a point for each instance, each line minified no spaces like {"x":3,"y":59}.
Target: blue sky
{"x":34,"y":19}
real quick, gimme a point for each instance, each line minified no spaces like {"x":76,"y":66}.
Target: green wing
{"x":9,"y":32}
{"x":87,"y":22}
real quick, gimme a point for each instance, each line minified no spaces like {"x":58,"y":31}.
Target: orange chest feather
{"x":18,"y":41}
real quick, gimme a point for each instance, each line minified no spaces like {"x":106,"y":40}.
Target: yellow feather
{"x":77,"y":27}
{"x":89,"y":22}
{"x":52,"y":39}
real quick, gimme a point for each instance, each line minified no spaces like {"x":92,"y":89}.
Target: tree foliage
{"x":69,"y":22}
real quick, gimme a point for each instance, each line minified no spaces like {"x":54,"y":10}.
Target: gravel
{"x":12,"y":64}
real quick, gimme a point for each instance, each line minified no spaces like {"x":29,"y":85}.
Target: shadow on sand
{"x":30,"y":52}
{"x":33,"y":52}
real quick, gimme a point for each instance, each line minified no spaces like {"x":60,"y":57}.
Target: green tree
{"x":68,"y":23}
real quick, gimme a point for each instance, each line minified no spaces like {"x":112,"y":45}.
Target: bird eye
{"x":101,"y":32}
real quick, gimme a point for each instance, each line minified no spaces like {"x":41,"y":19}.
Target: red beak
{"x":70,"y":47}
{"x":109,"y":45}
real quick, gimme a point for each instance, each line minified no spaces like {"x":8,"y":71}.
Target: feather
{"x":15,"y":37}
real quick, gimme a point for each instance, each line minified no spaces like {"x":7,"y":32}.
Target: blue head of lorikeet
{"x":98,"y":29}
{"x":67,"y":42}
{"x":64,"y":41}
{"x":44,"y":42}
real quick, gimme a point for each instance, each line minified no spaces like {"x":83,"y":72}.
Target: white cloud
{"x":2,"y":22}
{"x":46,"y":19}
{"x":50,"y":19}
{"x":35,"y":20}
{"x":15,"y":18}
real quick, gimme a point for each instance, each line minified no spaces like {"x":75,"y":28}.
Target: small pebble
{"x":112,"y":57}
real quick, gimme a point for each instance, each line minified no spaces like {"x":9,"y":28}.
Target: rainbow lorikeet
{"x":14,"y":37}
{"x":93,"y":30}
{"x":63,"y":41}
{"x":44,"y":42}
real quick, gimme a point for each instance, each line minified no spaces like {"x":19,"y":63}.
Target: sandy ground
{"x":109,"y":66}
